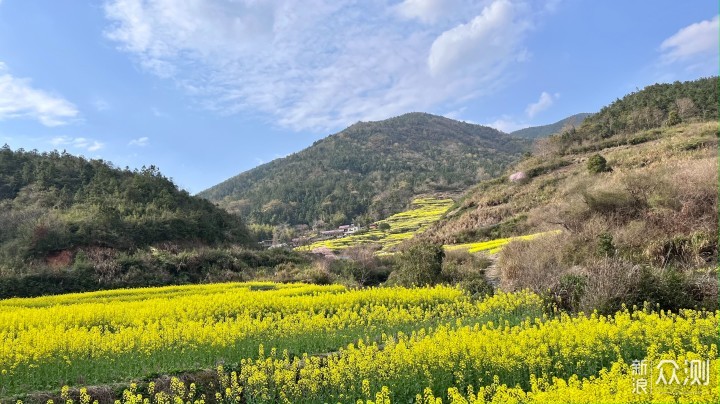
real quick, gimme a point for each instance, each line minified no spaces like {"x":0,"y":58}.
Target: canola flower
{"x":566,"y":359}
{"x":536,"y":358}
{"x":44,"y":340}
{"x":329,"y":344}
{"x":494,"y":246}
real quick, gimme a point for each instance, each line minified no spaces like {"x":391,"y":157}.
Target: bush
{"x":597,"y":164}
{"x":610,"y":282}
{"x":570,"y":291}
{"x":606,"y":247}
{"x":419,"y":264}
{"x":673,"y":118}
{"x":534,"y":264}
{"x":467,"y":271}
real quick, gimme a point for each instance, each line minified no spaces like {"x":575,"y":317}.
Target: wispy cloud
{"x":101,"y":105}
{"x":545,"y":101}
{"x":507,"y":124}
{"x":325,"y":63}
{"x":77,"y":143}
{"x":157,"y":113}
{"x":18,"y":99}
{"x":428,"y":11}
{"x":694,"y":46}
{"x":140,"y":142}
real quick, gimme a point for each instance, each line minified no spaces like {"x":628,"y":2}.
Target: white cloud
{"x":321,"y":64}
{"x":157,"y":113}
{"x":101,"y":105}
{"x":695,"y":40}
{"x":77,"y":143}
{"x":507,"y":124}
{"x":18,"y":99}
{"x":427,"y":11}
{"x":489,"y":42}
{"x":140,"y":142}
{"x":546,"y":101}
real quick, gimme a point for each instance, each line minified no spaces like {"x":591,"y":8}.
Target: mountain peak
{"x":369,"y":170}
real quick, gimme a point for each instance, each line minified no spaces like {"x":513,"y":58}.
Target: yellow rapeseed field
{"x":271,"y":343}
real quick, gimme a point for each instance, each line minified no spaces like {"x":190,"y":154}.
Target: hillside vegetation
{"x":535,"y":132}
{"x":635,"y":201}
{"x":72,"y":224}
{"x":52,"y":202}
{"x":369,"y":171}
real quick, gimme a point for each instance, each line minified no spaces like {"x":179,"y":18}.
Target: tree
{"x":420,"y":264}
{"x":673,"y":118}
{"x":685,"y":107}
{"x":597,"y":164}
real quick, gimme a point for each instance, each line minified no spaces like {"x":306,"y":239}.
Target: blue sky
{"x":207,"y":89}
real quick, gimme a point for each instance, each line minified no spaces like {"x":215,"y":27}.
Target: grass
{"x":403,"y":226}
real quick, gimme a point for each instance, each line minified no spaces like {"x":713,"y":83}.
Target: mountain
{"x":369,"y":171}
{"x":627,"y":202}
{"x":535,"y":132}
{"x":55,"y":202}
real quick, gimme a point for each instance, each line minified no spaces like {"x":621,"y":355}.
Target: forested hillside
{"x":535,"y":132}
{"x":52,"y":202}
{"x":369,"y":171}
{"x":631,"y":195}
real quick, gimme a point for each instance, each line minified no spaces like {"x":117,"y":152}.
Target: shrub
{"x":533,"y":264}
{"x":597,"y":164}
{"x":673,"y":118}
{"x":419,"y":264}
{"x":569,"y":292}
{"x":610,"y":283}
{"x":605,"y":245}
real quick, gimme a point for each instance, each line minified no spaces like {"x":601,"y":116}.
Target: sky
{"x":206,"y":89}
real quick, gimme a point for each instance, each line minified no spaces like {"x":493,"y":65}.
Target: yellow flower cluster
{"x":494,"y":246}
{"x":542,"y":360}
{"x":423,"y":345}
{"x":116,"y":335}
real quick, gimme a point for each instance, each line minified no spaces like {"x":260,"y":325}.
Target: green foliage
{"x":673,"y":118}
{"x":605,"y":245}
{"x":56,"y":201}
{"x":370,"y":169}
{"x":569,"y":293}
{"x":650,"y":108}
{"x":384,"y":226}
{"x":420,"y":264}
{"x":597,"y":164}
{"x":92,"y":271}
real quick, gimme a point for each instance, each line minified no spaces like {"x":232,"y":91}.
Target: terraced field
{"x":494,"y":246}
{"x":403,"y":226}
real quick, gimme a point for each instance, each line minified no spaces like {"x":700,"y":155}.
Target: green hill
{"x":631,"y":195}
{"x":535,"y":132}
{"x":55,"y":202}
{"x":369,"y":171}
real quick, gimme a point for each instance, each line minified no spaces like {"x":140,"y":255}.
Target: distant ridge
{"x":535,"y":132}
